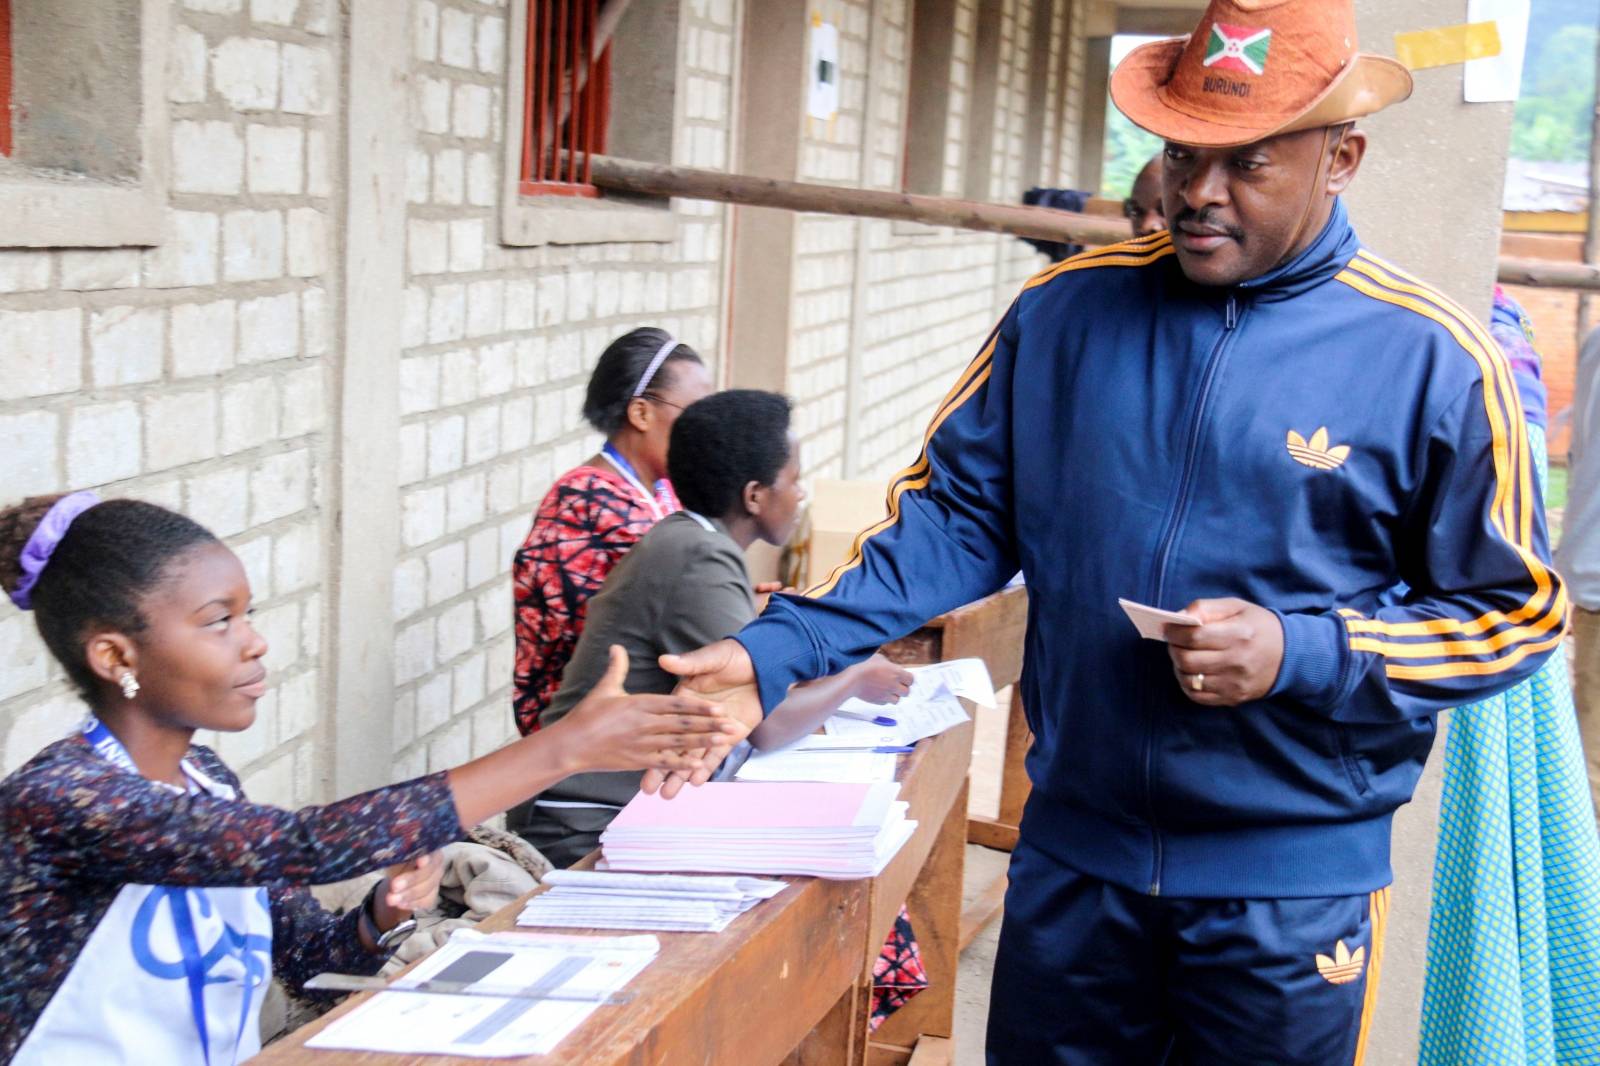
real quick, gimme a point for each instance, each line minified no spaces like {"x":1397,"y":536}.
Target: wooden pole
{"x":654,"y":179}
{"x":1550,"y":274}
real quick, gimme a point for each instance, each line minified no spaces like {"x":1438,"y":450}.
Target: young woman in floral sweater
{"x":144,"y":903}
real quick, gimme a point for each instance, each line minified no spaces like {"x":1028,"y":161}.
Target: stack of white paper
{"x":839,"y":831}
{"x":592,"y":899}
{"x":517,"y":994}
{"x":932,"y":706}
{"x":815,"y":759}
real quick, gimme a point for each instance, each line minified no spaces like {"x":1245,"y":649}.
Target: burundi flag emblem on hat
{"x":1241,"y":48}
{"x":1215,"y":88}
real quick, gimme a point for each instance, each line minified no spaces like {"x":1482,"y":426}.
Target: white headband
{"x":655,"y":364}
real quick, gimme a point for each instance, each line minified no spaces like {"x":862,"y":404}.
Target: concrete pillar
{"x":365,"y":482}
{"x":1428,"y":199}
{"x":771,"y":114}
{"x":1092,"y":146}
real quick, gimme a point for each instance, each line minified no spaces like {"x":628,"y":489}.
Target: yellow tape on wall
{"x":1444,"y":45}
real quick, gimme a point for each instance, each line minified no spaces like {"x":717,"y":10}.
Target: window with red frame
{"x":5,"y":77}
{"x":567,"y":98}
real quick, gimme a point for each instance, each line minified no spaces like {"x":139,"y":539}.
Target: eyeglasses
{"x":656,"y":398}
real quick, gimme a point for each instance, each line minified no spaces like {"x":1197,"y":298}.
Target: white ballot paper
{"x":680,"y":903}
{"x":1150,"y":621}
{"x":489,"y":1026}
{"x":931,"y":707}
{"x":808,"y":762}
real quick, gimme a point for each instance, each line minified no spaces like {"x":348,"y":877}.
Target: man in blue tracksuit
{"x":1252,"y":419}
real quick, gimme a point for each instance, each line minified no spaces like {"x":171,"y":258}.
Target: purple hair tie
{"x":42,"y":544}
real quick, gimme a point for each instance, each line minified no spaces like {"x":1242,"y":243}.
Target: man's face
{"x":1143,"y":206}
{"x":1236,"y":213}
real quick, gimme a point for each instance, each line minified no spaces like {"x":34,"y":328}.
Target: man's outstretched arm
{"x":947,"y":540}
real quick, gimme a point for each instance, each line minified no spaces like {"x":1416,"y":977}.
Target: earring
{"x":129,"y":683}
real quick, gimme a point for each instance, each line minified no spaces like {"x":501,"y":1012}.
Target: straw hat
{"x":1254,"y":69}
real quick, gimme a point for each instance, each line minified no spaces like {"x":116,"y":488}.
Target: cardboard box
{"x":840,"y":510}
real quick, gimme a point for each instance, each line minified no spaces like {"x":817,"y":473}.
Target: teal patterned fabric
{"x":1514,"y":942}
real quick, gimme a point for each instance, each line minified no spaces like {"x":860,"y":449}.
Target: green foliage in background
{"x":1128,"y":149}
{"x":1555,"y":115}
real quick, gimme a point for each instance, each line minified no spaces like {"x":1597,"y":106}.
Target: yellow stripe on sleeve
{"x":1140,"y":252}
{"x":1509,"y":514}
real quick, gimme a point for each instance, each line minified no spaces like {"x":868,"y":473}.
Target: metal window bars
{"x":566,"y":102}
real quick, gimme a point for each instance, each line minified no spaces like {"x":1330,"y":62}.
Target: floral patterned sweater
{"x":589,"y":519}
{"x":75,"y":828}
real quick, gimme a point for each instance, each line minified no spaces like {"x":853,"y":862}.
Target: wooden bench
{"x":992,"y":629}
{"x":788,"y":982}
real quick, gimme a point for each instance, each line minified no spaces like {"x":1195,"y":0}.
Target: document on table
{"x":840,"y":831}
{"x":932,"y":706}
{"x":490,"y":1026}
{"x":804,"y":762}
{"x":682,"y":903}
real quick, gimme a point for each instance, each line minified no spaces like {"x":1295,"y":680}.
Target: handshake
{"x":683,"y":737}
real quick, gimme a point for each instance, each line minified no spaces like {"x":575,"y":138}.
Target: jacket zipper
{"x":1231,"y":317}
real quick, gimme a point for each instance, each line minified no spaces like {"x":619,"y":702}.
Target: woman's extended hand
{"x":611,"y":730}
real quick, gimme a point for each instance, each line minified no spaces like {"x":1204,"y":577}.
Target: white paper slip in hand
{"x":1151,"y":622}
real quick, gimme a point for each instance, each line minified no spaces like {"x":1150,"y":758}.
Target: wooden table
{"x":992,"y":629}
{"x":790,"y":980}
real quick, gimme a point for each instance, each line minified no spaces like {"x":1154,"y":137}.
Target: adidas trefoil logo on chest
{"x":1315,"y":452}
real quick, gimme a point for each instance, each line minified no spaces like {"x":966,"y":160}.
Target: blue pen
{"x":875,"y":719}
{"x":882,"y":749}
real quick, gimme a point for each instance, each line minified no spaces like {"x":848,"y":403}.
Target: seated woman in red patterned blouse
{"x":599,"y":509}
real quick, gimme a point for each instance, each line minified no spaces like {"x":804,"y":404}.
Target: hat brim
{"x":1365,"y":87}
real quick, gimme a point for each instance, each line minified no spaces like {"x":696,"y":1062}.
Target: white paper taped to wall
{"x":1499,"y":78}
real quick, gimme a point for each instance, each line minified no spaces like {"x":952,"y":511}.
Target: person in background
{"x":736,"y":467}
{"x":599,"y":509}
{"x":1578,"y":558}
{"x":144,"y":902}
{"x":1143,"y":205}
{"x":1512,"y":329}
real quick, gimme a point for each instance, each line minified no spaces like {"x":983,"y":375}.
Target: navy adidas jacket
{"x":1310,"y":441}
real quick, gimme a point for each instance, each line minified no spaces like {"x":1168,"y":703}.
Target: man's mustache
{"x":1206,"y":219}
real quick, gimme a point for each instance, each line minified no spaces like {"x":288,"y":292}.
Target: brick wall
{"x":204,"y":373}
{"x":499,"y":343}
{"x":194,"y":374}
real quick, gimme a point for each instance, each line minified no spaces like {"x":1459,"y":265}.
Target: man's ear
{"x":1347,"y":157}
{"x":110,"y":654}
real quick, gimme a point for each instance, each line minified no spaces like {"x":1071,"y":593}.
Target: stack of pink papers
{"x":837,"y":831}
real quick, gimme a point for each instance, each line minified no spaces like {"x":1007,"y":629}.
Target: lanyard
{"x":109,"y":748}
{"x":625,"y":468}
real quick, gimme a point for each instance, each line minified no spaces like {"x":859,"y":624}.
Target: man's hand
{"x":1232,"y":657}
{"x":721,"y":674}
